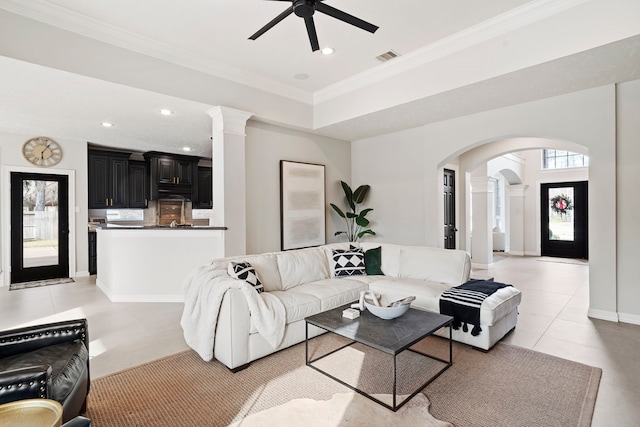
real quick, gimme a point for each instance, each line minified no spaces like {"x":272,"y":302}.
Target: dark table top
{"x":391,"y":336}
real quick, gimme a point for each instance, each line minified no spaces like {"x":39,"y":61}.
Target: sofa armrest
{"x":232,"y":330}
{"x":25,"y":383}
{"x":31,"y":338}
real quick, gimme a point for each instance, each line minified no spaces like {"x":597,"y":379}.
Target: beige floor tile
{"x":553,"y":319}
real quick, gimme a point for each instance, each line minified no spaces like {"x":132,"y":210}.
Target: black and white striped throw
{"x":463,"y":303}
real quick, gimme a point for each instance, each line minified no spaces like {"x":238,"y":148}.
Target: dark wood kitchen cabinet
{"x":138,"y":184}
{"x":172,"y":174}
{"x":108,"y":179}
{"x":93,"y":252}
{"x":205,"y":188}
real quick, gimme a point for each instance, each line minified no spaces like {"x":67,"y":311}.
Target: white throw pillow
{"x":302,"y":266}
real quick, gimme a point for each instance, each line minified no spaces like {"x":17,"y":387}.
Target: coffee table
{"x":389,"y":336}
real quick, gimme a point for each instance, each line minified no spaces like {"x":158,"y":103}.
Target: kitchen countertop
{"x":154,"y":227}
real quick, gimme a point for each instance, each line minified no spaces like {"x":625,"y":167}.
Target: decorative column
{"x":481,"y":221}
{"x":229,"y":177}
{"x":516,"y":219}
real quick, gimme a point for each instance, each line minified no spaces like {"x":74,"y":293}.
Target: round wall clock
{"x":42,"y":151}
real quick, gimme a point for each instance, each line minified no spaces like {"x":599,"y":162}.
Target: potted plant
{"x":357,"y":221}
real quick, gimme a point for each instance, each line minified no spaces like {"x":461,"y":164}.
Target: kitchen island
{"x":149,"y":263}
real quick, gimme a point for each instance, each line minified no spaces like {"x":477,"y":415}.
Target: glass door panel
{"x":561,"y":224}
{"x":40,"y":244}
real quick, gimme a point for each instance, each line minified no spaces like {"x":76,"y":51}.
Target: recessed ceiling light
{"x":106,"y":124}
{"x":327,"y":51}
{"x":187,"y":149}
{"x":166,"y":112}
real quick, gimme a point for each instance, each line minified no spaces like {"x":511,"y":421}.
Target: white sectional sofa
{"x":303,"y":281}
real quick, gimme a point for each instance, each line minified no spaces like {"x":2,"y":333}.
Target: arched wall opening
{"x":483,"y":164}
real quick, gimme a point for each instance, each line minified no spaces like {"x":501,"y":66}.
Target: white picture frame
{"x":302,"y":205}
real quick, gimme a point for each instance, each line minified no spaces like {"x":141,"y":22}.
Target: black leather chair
{"x":48,"y":361}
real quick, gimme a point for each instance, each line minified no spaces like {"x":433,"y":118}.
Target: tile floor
{"x":552,"y":320}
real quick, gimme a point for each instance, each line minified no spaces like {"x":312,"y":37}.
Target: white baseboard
{"x":482,"y":266}
{"x":531,"y":253}
{"x":82,"y":274}
{"x":634,"y":319}
{"x":611,"y":316}
{"x":516,"y":253}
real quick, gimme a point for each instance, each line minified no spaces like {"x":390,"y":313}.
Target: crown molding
{"x":61,"y":17}
{"x":499,"y":25}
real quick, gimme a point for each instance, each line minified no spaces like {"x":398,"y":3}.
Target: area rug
{"x":344,"y":410}
{"x":507,"y":386}
{"x":37,"y":283}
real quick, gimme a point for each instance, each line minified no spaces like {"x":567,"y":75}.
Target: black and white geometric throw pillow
{"x":349,"y":262}
{"x":244,"y":271}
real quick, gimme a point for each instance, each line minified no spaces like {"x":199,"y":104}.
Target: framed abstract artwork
{"x":302,"y":205}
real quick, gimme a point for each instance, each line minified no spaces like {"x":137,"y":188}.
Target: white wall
{"x":628,"y":198}
{"x":586,"y":118}
{"x":266,"y":145}
{"x":74,"y":158}
{"x":394,"y":167}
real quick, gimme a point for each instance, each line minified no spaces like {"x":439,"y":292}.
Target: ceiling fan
{"x":305,"y":9}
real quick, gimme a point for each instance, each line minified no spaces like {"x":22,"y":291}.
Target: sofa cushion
{"x":390,"y":256}
{"x":265,"y":265}
{"x":434,"y":264}
{"x":302,"y":266}
{"x":244,"y":271}
{"x":298,"y":305}
{"x":427,"y":293}
{"x":348,"y":262}
{"x":335,"y":292}
{"x":68,"y":362}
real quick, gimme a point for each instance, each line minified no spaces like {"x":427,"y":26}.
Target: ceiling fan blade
{"x":345,"y":17}
{"x":273,"y":22}
{"x":313,"y":36}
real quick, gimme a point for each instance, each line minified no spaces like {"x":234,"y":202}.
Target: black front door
{"x":39,"y":226}
{"x":449,"y":209}
{"x":564,"y":216}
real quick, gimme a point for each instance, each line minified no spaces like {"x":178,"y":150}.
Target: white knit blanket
{"x":204,"y":289}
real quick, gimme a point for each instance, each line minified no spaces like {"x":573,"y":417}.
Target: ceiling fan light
{"x":327,"y":50}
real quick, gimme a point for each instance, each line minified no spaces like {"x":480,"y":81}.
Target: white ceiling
{"x":211,"y":37}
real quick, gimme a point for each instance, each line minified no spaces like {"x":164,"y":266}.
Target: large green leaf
{"x":362,"y":233}
{"x":352,"y":215}
{"x":362,"y":221}
{"x":360,"y":194}
{"x":348,"y":194}
{"x":337,"y":209}
{"x":364,"y":212}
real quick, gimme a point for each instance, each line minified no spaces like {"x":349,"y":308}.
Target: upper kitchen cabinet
{"x":205,"y":188}
{"x":108,"y":179}
{"x":138,"y":184}
{"x":172,"y":174}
